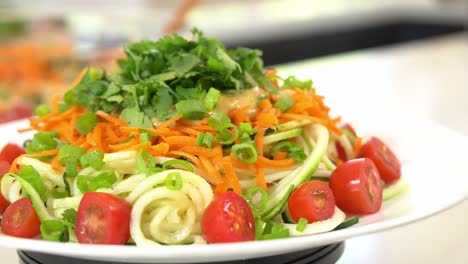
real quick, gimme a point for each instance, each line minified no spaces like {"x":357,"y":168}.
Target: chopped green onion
{"x":145,"y":136}
{"x":259,"y":228}
{"x":67,"y":152}
{"x":42,"y":141}
{"x":218,"y":121}
{"x":225,"y":136}
{"x":54,"y":230}
{"x":29,"y":174}
{"x":257,"y":205}
{"x":173,"y":181}
{"x":205,"y":140}
{"x":42,"y":110}
{"x":244,"y":137}
{"x":93,"y":159}
{"x":212,"y":98}
{"x":245,"y":128}
{"x":294,"y":151}
{"x":277,"y":231}
{"x":86,"y":123}
{"x":91,"y":184}
{"x":301,"y":225}
{"x":191,"y":109}
{"x":284,"y":103}
{"x":176,"y":163}
{"x":145,"y":162}
{"x":245,"y":152}
{"x":283,"y":135}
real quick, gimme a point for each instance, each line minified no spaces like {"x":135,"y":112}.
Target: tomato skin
{"x":356,"y":186}
{"x":228,"y":218}
{"x":21,"y":220}
{"x":4,"y":168}
{"x":10,"y":152}
{"x":341,"y":151}
{"x":103,"y":218}
{"x":313,"y":201}
{"x":384,"y":159}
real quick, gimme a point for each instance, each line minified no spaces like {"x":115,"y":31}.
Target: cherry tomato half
{"x":4,"y":167}
{"x":313,"y":201}
{"x":103,"y":218}
{"x":356,"y":186}
{"x":350,"y":128}
{"x":21,"y":220}
{"x":228,"y":218}
{"x":384,"y":159}
{"x":10,"y":152}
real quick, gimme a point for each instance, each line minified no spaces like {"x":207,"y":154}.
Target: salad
{"x":188,"y":142}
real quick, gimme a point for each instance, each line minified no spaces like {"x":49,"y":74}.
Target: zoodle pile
{"x":188,"y":142}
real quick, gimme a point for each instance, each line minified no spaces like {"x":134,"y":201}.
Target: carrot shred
{"x":188,"y":156}
{"x":231,"y":176}
{"x":284,"y":163}
{"x":260,"y":177}
{"x":212,"y":171}
{"x":169,"y":122}
{"x":180,"y":141}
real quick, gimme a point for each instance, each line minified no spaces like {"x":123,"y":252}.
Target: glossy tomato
{"x":313,"y":201}
{"x":10,"y":152}
{"x":4,"y":167}
{"x":384,"y":159}
{"x":21,"y":220}
{"x":356,"y":186}
{"x":228,"y":218}
{"x":103,"y":218}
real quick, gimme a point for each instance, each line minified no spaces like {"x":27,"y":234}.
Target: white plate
{"x":434,"y":163}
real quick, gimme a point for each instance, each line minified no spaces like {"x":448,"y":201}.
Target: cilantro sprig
{"x":157,"y":76}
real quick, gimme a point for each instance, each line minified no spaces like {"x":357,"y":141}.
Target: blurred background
{"x":44,"y":44}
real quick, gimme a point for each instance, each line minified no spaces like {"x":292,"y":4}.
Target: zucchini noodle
{"x":164,"y":216}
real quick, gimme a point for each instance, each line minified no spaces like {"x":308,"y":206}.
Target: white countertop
{"x":427,"y":79}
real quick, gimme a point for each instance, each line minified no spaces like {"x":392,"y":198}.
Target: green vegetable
{"x":348,"y":222}
{"x":245,"y":152}
{"x":293,"y":82}
{"x":257,"y":205}
{"x":93,"y":159}
{"x":294,"y":151}
{"x":177,"y":163}
{"x":42,"y":110}
{"x":86,"y":123}
{"x":191,"y":109}
{"x":395,"y":189}
{"x":212,"y":98}
{"x":301,"y":224}
{"x":42,"y":141}
{"x":69,"y":152}
{"x":283,"y":135}
{"x":226,"y":137}
{"x":284,"y":103}
{"x":91,"y":184}
{"x":145,"y":136}
{"x":173,"y":181}
{"x":29,"y":174}
{"x":155,"y":75}
{"x":246,"y":128}
{"x":219,"y":121}
{"x":274,"y":230}
{"x":69,"y":217}
{"x":205,"y":140}
{"x":54,"y":230}
{"x":145,"y":162}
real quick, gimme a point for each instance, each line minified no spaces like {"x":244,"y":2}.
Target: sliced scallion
{"x":245,"y":152}
{"x":173,"y":181}
{"x":177,"y":163}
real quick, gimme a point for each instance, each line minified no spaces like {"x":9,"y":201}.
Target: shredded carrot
{"x":284,"y":163}
{"x":161,"y":149}
{"x":190,"y":157}
{"x":200,"y":151}
{"x":79,"y":77}
{"x":231,"y":176}
{"x":357,"y":146}
{"x":169,"y":122}
{"x":280,"y":155}
{"x":14,"y":168}
{"x":56,"y":165}
{"x":260,"y":177}
{"x":212,"y":171}
{"x":178,"y":141}
{"x":259,"y":139}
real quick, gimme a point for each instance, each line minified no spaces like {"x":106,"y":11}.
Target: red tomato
{"x":21,"y":220}
{"x":356,"y":186}
{"x":228,"y":218}
{"x":313,"y":201}
{"x":103,"y":218}
{"x":383,"y":157}
{"x":341,"y":151}
{"x":10,"y":152}
{"x":4,"y":167}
